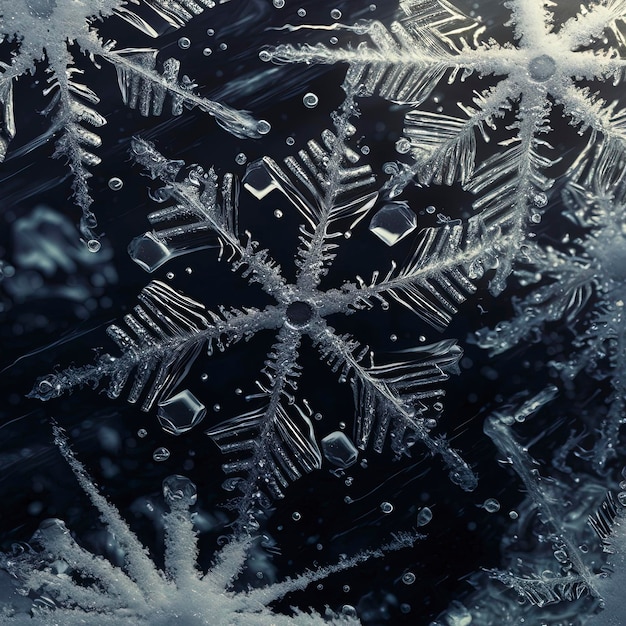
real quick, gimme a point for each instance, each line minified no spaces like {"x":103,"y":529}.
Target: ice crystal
{"x":71,"y":585}
{"x":55,"y":31}
{"x":543,"y":70}
{"x":582,"y":287}
{"x":395,"y":401}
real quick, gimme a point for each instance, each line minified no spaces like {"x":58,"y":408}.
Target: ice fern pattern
{"x":55,"y":31}
{"x":547,"y":69}
{"x":74,"y":586}
{"x":274,"y":444}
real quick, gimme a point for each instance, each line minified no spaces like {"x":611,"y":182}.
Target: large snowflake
{"x":72,"y":586}
{"x":53,"y":31}
{"x":437,"y":44}
{"x":274,"y":444}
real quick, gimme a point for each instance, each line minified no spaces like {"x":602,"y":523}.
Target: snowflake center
{"x":299,"y":314}
{"x":542,"y":68}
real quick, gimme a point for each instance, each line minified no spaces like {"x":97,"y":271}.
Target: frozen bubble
{"x":93,"y":245}
{"x":210,"y":32}
{"x":207,"y":52}
{"x":393,"y":222}
{"x":180,"y":413}
{"x":141,"y":433}
{"x":295,"y":516}
{"x":301,"y":12}
{"x":339,"y":450}
{"x":223,"y":46}
{"x":278,"y":213}
{"x":149,"y":252}
{"x":424,"y":516}
{"x":290,"y":141}
{"x":241,"y":159}
{"x":279,"y":4}
{"x":335,"y":14}
{"x":265,"y":56}
{"x":184,"y":43}
{"x":408,"y":578}
{"x":161,"y":454}
{"x":403,"y":145}
{"x":310,"y":100}
{"x":115,"y":183}
{"x":348,"y":610}
{"x":179,"y":489}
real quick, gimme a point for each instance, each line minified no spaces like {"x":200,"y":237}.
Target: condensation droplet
{"x":279,"y":4}
{"x":207,"y":52}
{"x":346,"y":589}
{"x":223,"y":46}
{"x":217,"y":408}
{"x":115,"y":183}
{"x":290,"y":141}
{"x":278,"y":213}
{"x":310,"y":100}
{"x":386,"y":507}
{"x":301,"y":12}
{"x":161,"y":454}
{"x":141,"y":433}
{"x":169,"y":275}
{"x":430,"y":209}
{"x":333,"y":40}
{"x":295,"y":516}
{"x":241,"y":159}
{"x":335,"y":14}
{"x":184,"y":43}
{"x":188,"y":270}
{"x":513,"y":514}
{"x":347,"y":609}
{"x":408,"y":578}
{"x":393,"y":337}
{"x":210,"y":32}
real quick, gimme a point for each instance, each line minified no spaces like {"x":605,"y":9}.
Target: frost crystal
{"x":55,"y":31}
{"x":72,"y":586}
{"x":547,"y":67}
{"x":275,"y":443}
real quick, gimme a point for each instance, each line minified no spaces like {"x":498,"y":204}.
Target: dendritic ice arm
{"x":548,"y":587}
{"x":53,"y":31}
{"x":76,"y":587}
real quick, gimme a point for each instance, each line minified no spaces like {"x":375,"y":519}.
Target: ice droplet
{"x":393,"y":222}
{"x":424,"y":516}
{"x":180,"y":413}
{"x":339,"y":450}
{"x":161,"y":454}
{"x":408,"y":578}
{"x":386,"y":507}
{"x":179,"y":489}
{"x":115,"y":183}
{"x":491,"y":505}
{"x":184,"y":43}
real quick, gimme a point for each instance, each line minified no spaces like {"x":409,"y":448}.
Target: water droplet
{"x":335,"y":14}
{"x":241,"y":159}
{"x":339,"y":450}
{"x":295,"y":516}
{"x":513,"y":514}
{"x":386,"y":507}
{"x":207,"y":52}
{"x":188,"y":270}
{"x":170,"y":275}
{"x":210,"y":32}
{"x":263,"y":127}
{"x":333,"y":40}
{"x":184,"y":43}
{"x":424,"y":516}
{"x":217,"y":408}
{"x":301,"y":12}
{"x":310,"y":100}
{"x":141,"y":433}
{"x":93,"y":245}
{"x":161,"y":454}
{"x":365,"y":149}
{"x":393,"y":337}
{"x":491,"y":505}
{"x":347,"y":609}
{"x":115,"y":183}
{"x":204,"y":377}
{"x":180,"y":413}
{"x":265,"y":56}
{"x":238,"y":391}
{"x":223,"y":46}
{"x":346,"y":589}
{"x":621,"y":497}
{"x":438,"y":406}
{"x":430,"y":209}
{"x":179,"y":489}
{"x":290,"y":141}
{"x":408,"y":578}
{"x":279,"y":4}
{"x":278,"y":213}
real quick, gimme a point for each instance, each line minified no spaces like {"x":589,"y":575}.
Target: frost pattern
{"x":275,"y":443}
{"x":74,"y":586}
{"x":55,"y":31}
{"x":544,"y":69}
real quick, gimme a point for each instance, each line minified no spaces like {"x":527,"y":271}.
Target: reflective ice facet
{"x":258,"y":180}
{"x":180,"y":413}
{"x":148,"y":252}
{"x":393,"y":222}
{"x":339,"y":450}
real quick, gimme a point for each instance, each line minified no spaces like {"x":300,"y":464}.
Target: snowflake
{"x":543,"y":68}
{"x":584,"y":288}
{"x":275,"y":443}
{"x":49,"y":30}
{"x":73,"y":586}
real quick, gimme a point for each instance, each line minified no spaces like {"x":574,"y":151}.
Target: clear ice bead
{"x":339,"y":450}
{"x":393,"y":222}
{"x":180,"y":413}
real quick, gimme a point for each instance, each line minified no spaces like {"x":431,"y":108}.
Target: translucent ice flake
{"x":393,"y":222}
{"x":339,"y":450}
{"x":149,"y":252}
{"x":180,"y":413}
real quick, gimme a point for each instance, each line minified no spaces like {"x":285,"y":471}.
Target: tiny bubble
{"x":346,"y":589}
{"x":301,"y":12}
{"x":365,"y":149}
{"x":290,"y":141}
{"x":263,"y":127}
{"x":238,"y":391}
{"x":513,"y":514}
{"x":115,"y":183}
{"x":295,"y":516}
{"x":184,"y":43}
{"x":393,"y":337}
{"x":386,"y":507}
{"x":208,"y":52}
{"x":408,"y":578}
{"x":347,"y":609}
{"x":310,"y":100}
{"x":161,"y":454}
{"x":188,"y":270}
{"x":335,"y":14}
{"x":210,"y":32}
{"x":430,"y":209}
{"x":279,"y":4}
{"x":141,"y":433}
{"x":424,"y":516}
{"x":217,"y":408}
{"x":403,"y":145}
{"x":169,"y":275}
{"x":93,"y":245}
{"x":278,"y":213}
{"x":264,"y":55}
{"x":241,"y":159}
{"x":333,"y":40}
{"x":223,"y":46}
{"x":204,"y":377}
{"x":348,"y":234}
{"x":491,"y":505}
